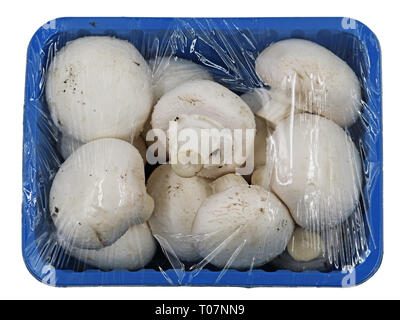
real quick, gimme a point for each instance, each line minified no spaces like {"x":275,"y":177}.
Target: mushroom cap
{"x":132,"y":251}
{"x":316,"y":170}
{"x":325,"y":84}
{"x":99,"y":87}
{"x":205,"y":98}
{"x":227,"y":181}
{"x":170,"y":72}
{"x":206,"y":103}
{"x":68,"y":144}
{"x":98,"y":193}
{"x":213,"y":172}
{"x":176,"y":200}
{"x":242,"y":227}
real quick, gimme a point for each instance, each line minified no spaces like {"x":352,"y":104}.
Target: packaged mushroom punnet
{"x":243,"y":152}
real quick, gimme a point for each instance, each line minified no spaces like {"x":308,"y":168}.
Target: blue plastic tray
{"x":235,"y":38}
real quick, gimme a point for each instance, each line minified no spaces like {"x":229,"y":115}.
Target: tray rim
{"x":149,"y":277}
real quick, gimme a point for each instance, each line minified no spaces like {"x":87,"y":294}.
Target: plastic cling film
{"x":202,"y":152}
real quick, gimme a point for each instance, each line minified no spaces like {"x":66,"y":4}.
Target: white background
{"x":18,"y":22}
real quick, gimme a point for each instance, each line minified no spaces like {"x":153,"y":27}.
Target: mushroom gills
{"x":206,"y":104}
{"x":188,"y":158}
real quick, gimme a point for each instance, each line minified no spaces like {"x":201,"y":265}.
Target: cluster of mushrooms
{"x":104,"y":98}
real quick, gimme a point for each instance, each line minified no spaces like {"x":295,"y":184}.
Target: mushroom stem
{"x":272,"y":105}
{"x":186,"y":167}
{"x":206,"y":112}
{"x":261,"y":177}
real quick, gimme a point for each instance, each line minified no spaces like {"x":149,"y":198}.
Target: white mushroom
{"x":262,"y":177}
{"x":271,"y":105}
{"x":323,"y":83}
{"x":305,"y":245}
{"x":170,"y":72}
{"x":260,"y":142}
{"x":177,"y":200}
{"x":316,"y":170}
{"x":132,"y":251}
{"x":99,"y":87}
{"x":98,"y":193}
{"x":203,"y":104}
{"x":286,"y":262}
{"x":189,"y":168}
{"x":342,"y":247}
{"x":227,"y":181}
{"x":67,"y":145}
{"x":242,"y":227}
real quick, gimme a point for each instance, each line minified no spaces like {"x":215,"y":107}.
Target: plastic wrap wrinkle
{"x":325,"y":92}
